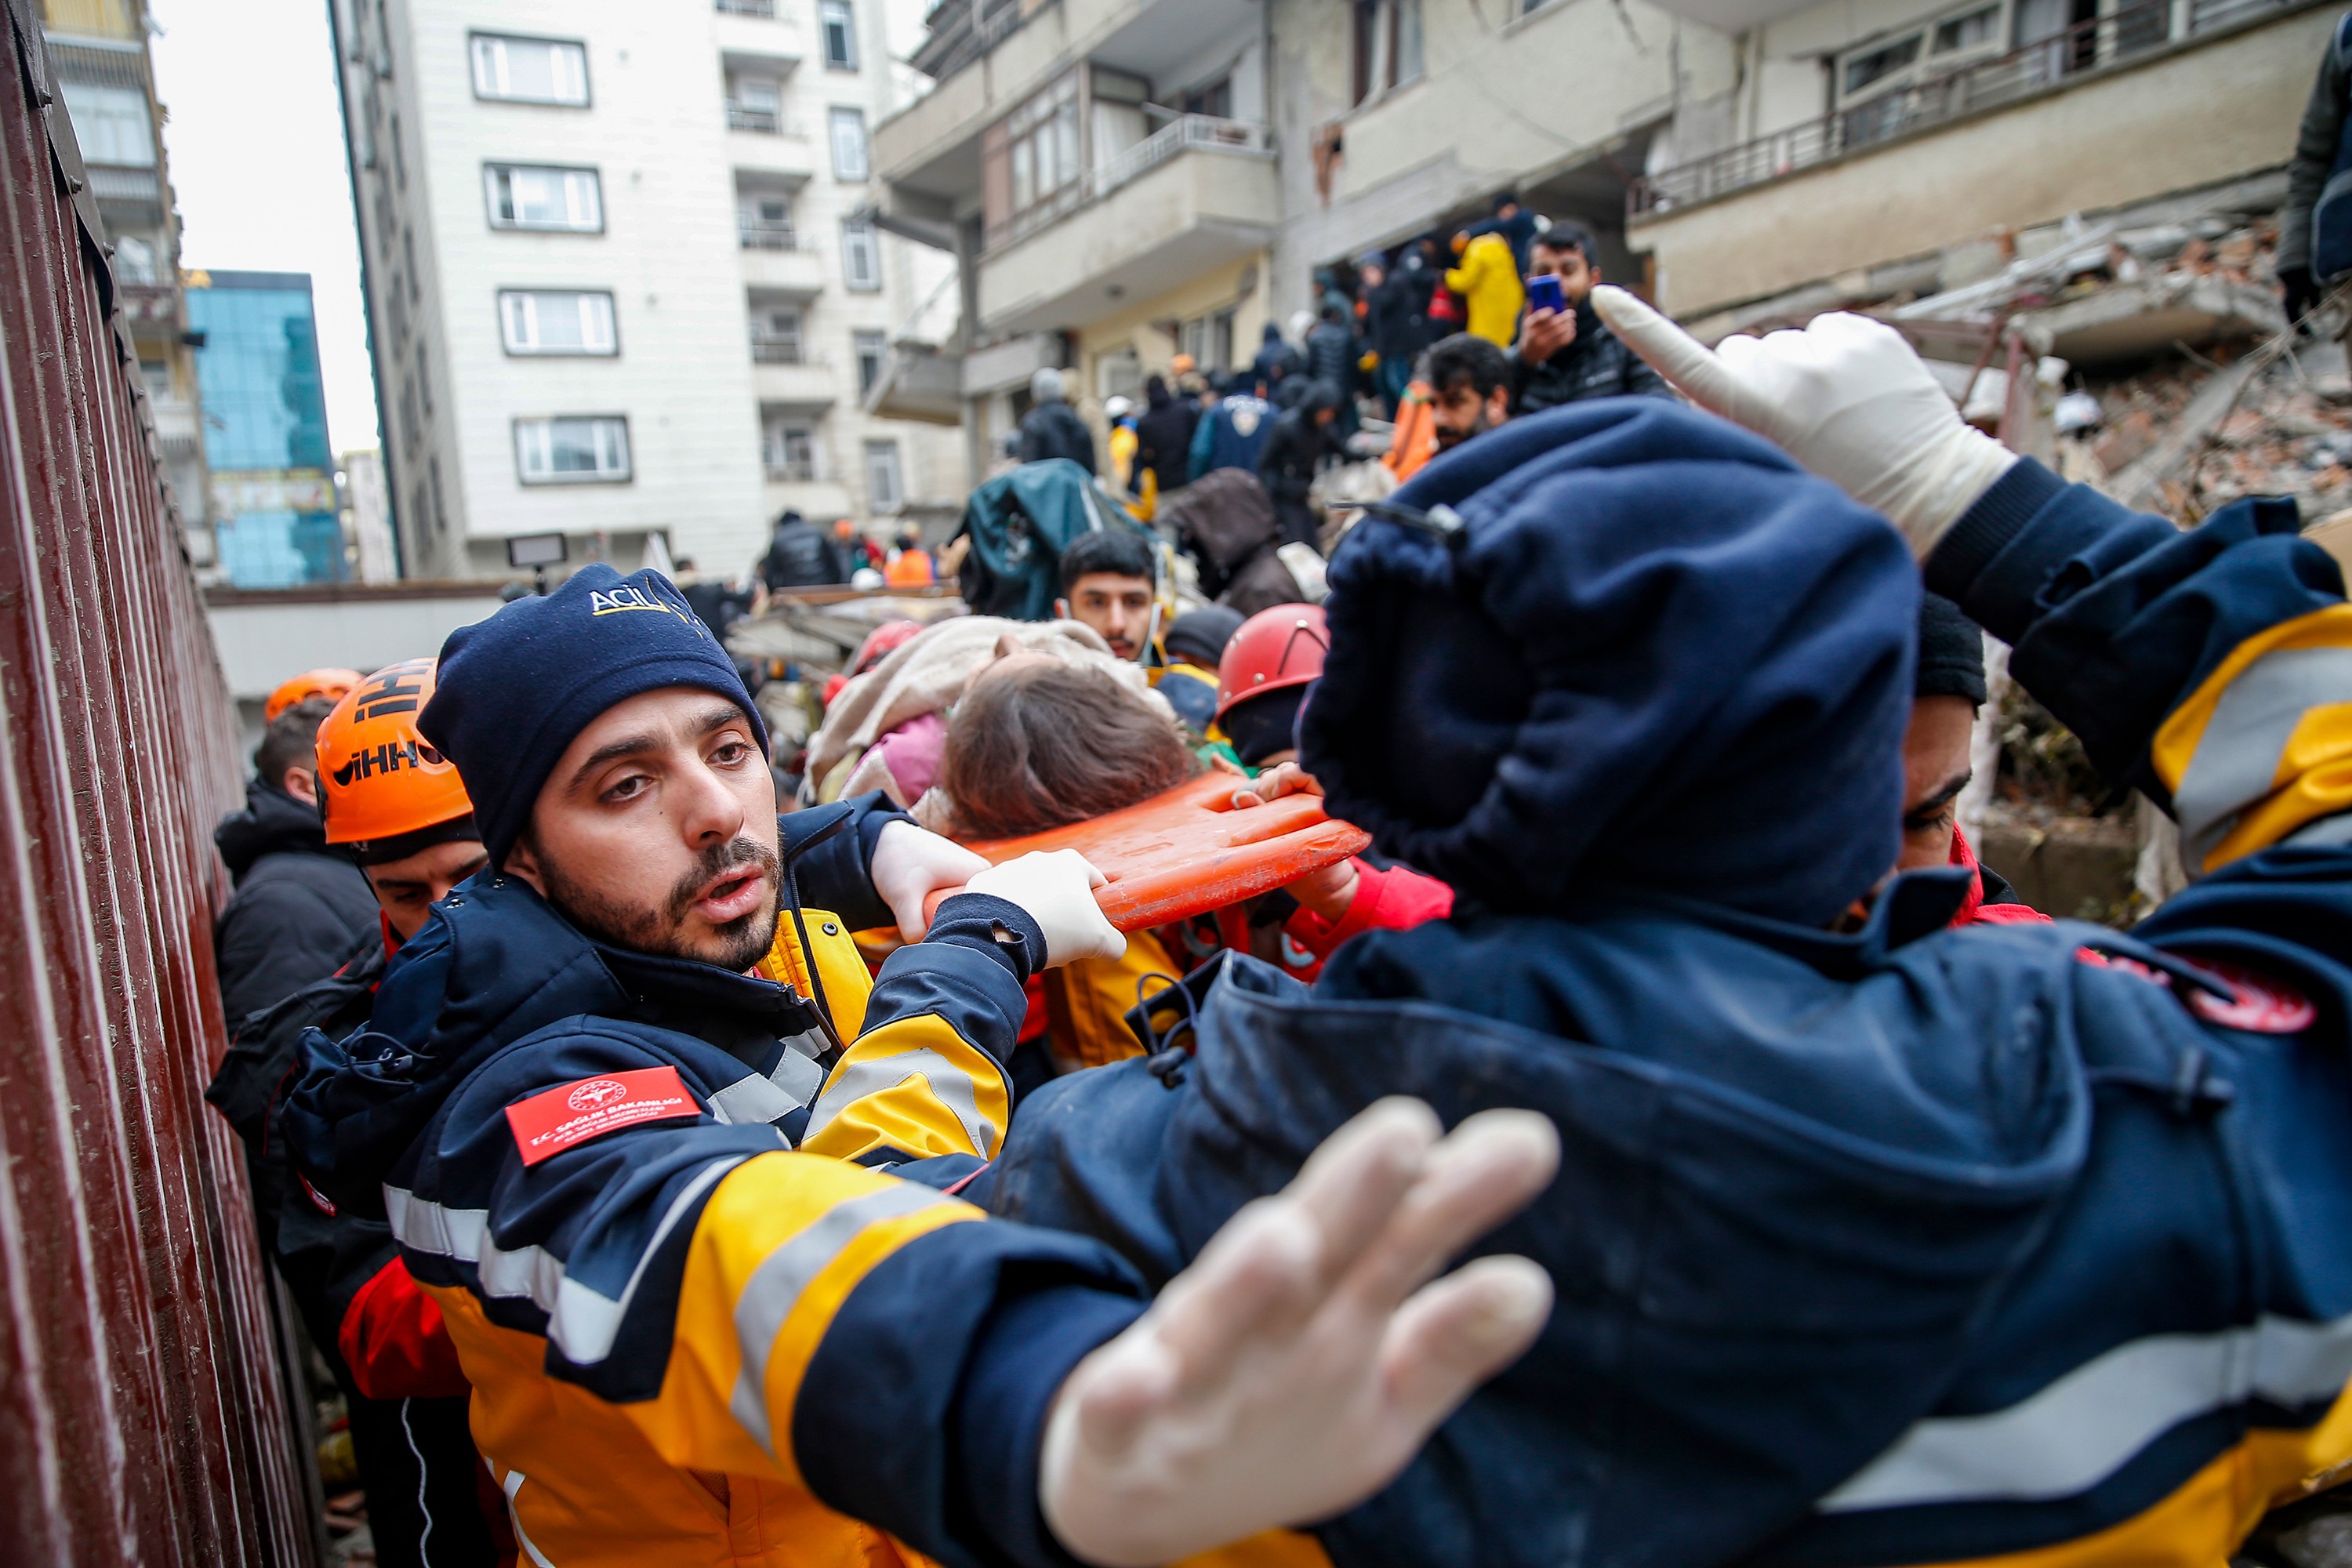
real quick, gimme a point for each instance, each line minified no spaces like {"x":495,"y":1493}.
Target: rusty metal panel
{"x":143,"y":1409}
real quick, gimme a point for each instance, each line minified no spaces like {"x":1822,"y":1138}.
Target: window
{"x":524,"y":195}
{"x":861,"y":257}
{"x":764,"y":221}
{"x":1030,"y":159}
{"x":530,"y":70}
{"x":755,"y":103}
{"x":885,"y":489}
{"x":399,"y":159}
{"x":1208,"y":339}
{"x":408,"y":255}
{"x":571,"y":450}
{"x":440,"y":514}
{"x":776,"y":335}
{"x":110,"y":123}
{"x":791,"y":454}
{"x":871,"y":348}
{"x":1387,"y":54}
{"x":157,"y":375}
{"x":1865,"y":67}
{"x":1971,"y":30}
{"x":423,"y":379}
{"x":1214,"y":100}
{"x":134,"y":260}
{"x":848,"y":143}
{"x":557,"y":321}
{"x":410,"y":424}
{"x":840,"y":30}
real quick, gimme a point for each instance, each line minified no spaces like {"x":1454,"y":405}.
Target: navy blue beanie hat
{"x":513,"y":690}
{"x":1660,"y":655}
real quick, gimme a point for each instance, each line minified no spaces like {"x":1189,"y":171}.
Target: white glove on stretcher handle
{"x":1846,"y":398}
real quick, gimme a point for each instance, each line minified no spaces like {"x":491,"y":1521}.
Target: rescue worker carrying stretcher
{"x":672,"y":1167}
{"x":2018,"y":1243}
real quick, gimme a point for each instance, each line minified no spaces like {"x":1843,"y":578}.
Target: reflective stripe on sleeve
{"x":2089,"y":1424}
{"x":775,"y":1286}
{"x":949,"y":1084}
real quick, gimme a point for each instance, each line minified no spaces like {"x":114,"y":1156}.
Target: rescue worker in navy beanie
{"x":671,"y":1162}
{"x":1919,"y":1245}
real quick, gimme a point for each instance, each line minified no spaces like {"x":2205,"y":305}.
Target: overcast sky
{"x":255,"y":141}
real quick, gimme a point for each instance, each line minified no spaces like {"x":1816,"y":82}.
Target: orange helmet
{"x":309,"y":683}
{"x":378,"y":778}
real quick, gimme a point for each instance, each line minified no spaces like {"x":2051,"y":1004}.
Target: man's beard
{"x":1448,"y":439}
{"x":660,"y":930}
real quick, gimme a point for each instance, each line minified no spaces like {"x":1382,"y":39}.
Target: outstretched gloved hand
{"x":1306,"y":1356}
{"x":911,"y":864}
{"x":1846,"y":398}
{"x":1056,"y":888}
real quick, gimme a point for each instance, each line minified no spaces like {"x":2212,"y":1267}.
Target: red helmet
{"x":1281,"y":647}
{"x":880,"y":644}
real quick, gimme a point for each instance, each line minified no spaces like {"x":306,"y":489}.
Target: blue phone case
{"x":1543,"y":292}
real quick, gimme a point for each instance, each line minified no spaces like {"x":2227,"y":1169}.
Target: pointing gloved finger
{"x":1683,"y":359}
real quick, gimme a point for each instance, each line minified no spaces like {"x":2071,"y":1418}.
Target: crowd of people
{"x":686,"y":1148}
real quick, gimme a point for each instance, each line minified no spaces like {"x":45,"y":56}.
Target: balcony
{"x":761,"y":121}
{"x":782,"y":264}
{"x":744,"y":7}
{"x":760,"y":143}
{"x":1199,"y":194}
{"x":785,"y":376}
{"x":2153,"y":98}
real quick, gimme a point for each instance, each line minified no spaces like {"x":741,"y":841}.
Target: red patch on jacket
{"x":2258,"y":1003}
{"x":546,"y":1124}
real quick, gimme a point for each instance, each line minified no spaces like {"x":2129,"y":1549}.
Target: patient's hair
{"x":1049,"y":744}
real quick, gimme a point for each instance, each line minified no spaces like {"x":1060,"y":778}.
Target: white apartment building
{"x":615,"y":281}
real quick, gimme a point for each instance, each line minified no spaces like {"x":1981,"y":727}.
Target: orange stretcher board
{"x":1190,"y":851}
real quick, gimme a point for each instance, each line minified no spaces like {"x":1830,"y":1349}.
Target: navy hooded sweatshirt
{"x":1907,"y":1246}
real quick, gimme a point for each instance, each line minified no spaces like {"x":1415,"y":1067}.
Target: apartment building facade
{"x":1729,"y":156}
{"x":98,"y":49}
{"x":616,"y":281}
{"x":1105,"y":172}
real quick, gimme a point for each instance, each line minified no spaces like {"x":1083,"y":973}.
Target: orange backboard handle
{"x":1189,"y":851}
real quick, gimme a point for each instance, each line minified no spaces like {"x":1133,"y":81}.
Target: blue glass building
{"x":273,"y":484}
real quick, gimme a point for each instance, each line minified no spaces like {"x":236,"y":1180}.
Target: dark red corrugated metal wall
{"x":142,"y":1416}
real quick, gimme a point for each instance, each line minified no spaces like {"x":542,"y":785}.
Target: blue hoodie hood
{"x":1658,"y":655}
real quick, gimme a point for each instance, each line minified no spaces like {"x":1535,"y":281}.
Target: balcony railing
{"x":778,"y":351}
{"x":2134,"y":28}
{"x":1185,"y":133}
{"x":758,"y":236}
{"x":960,"y":32}
{"x":745,"y":7}
{"x":791,"y":471}
{"x":744,"y":117}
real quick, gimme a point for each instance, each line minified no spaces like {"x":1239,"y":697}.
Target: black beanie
{"x":1951,"y":652}
{"x":1202,"y":634}
{"x":515,"y":689}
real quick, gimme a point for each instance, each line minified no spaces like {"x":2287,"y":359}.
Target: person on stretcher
{"x":1037,"y":743}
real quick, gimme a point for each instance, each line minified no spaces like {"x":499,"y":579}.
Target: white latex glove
{"x":911,"y":864}
{"x":1846,"y":398}
{"x":1056,"y":887}
{"x":1304,"y":1357}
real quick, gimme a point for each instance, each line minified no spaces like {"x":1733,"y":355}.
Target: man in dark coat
{"x":301,"y":909}
{"x":800,"y":556}
{"x":1163,"y":436}
{"x":1393,"y":324}
{"x":1275,"y":359}
{"x":1333,"y":349}
{"x":1301,"y":440}
{"x":2315,"y":244}
{"x":1052,"y":428}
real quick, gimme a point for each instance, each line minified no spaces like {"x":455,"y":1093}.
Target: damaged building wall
{"x":2203,"y":112}
{"x":1502,"y":101}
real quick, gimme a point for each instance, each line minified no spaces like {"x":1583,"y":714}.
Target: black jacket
{"x":1295,"y":449}
{"x":300,"y":908}
{"x":1163,"y":440}
{"x":800,"y":555}
{"x":1055,"y":430}
{"x":1595,"y":365}
{"x":1331,"y":355}
{"x":2320,"y":155}
{"x":1393,"y":315}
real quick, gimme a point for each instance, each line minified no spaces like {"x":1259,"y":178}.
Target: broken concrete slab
{"x":2136,"y":321}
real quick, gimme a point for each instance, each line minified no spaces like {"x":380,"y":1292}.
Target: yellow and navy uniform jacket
{"x":707,"y":1317}
{"x":2020,"y":1244}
